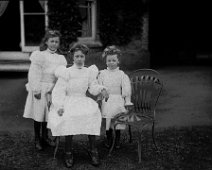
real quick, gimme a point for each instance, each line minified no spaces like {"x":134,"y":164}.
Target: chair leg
{"x":57,"y":141}
{"x":139,"y":148}
{"x":117,"y":141}
{"x":153,"y":135}
{"x":130,"y":134}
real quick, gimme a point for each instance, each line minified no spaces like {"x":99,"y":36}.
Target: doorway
{"x":174,"y":31}
{"x":10,"y":28}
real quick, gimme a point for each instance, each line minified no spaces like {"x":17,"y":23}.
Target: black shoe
{"x":117,"y":143}
{"x":94,"y":157}
{"x":117,"y":146}
{"x":69,"y":160}
{"x":107,"y":145}
{"x":48,"y":143}
{"x":38,"y":145}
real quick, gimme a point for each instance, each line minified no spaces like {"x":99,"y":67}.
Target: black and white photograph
{"x":105,"y":85}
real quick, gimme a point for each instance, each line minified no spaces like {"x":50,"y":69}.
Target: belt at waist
{"x":76,"y":95}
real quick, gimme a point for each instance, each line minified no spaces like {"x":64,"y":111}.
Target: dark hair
{"x":49,"y":34}
{"x":111,"y":50}
{"x":79,"y":47}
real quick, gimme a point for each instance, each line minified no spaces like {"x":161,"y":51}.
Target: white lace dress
{"x":119,"y":89}
{"x":81,"y":113}
{"x":41,"y":79}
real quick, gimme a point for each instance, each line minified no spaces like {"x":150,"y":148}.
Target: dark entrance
{"x":179,"y":31}
{"x":10,"y":36}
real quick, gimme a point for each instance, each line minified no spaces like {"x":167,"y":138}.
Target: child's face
{"x":112,"y":61}
{"x":79,"y":58}
{"x":53,"y":43}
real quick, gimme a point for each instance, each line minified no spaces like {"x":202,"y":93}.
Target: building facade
{"x":23,"y":24}
{"x":22,"y":20}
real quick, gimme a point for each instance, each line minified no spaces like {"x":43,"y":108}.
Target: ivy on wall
{"x":64,"y":16}
{"x":120,"y":21}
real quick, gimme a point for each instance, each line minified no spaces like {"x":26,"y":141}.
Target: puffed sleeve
{"x":101,"y":77}
{"x":63,"y":60}
{"x":126,"y":89}
{"x":59,"y":93}
{"x":35,"y":71}
{"x":62,"y":72}
{"x":94,"y":87}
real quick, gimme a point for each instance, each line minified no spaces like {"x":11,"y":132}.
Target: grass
{"x":180,"y":149}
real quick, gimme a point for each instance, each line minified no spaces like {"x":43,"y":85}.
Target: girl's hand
{"x":60,"y":112}
{"x":37,"y":96}
{"x":105,"y":94}
{"x":129,"y":107}
{"x":49,"y":99}
{"x":49,"y":104}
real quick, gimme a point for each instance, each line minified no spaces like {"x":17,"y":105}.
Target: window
{"x":88,"y":14}
{"x":34,"y":20}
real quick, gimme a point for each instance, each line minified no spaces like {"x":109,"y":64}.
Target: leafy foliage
{"x":120,"y":20}
{"x":64,"y":16}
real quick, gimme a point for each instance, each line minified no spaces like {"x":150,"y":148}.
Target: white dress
{"x":81,"y":113}
{"x":119,"y":89}
{"x":41,"y":79}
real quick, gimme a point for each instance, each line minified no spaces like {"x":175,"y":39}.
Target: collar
{"x":78,"y":67}
{"x":50,"y":51}
{"x":116,"y":69}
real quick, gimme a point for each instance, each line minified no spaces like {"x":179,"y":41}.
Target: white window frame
{"x":92,"y":38}
{"x":22,"y":14}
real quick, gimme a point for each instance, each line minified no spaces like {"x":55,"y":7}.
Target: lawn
{"x":179,"y":149}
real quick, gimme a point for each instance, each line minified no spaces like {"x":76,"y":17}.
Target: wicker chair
{"x":146,"y":89}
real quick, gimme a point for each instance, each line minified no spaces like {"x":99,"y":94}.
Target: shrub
{"x":133,"y":56}
{"x":120,"y":20}
{"x":64,"y":16}
{"x":119,"y":23}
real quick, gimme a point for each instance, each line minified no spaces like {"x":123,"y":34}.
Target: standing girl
{"x":41,"y":80}
{"x":119,"y":89}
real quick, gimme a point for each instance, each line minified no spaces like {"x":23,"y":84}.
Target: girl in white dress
{"x":41,"y":80}
{"x":72,"y":112}
{"x":119,"y":89}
